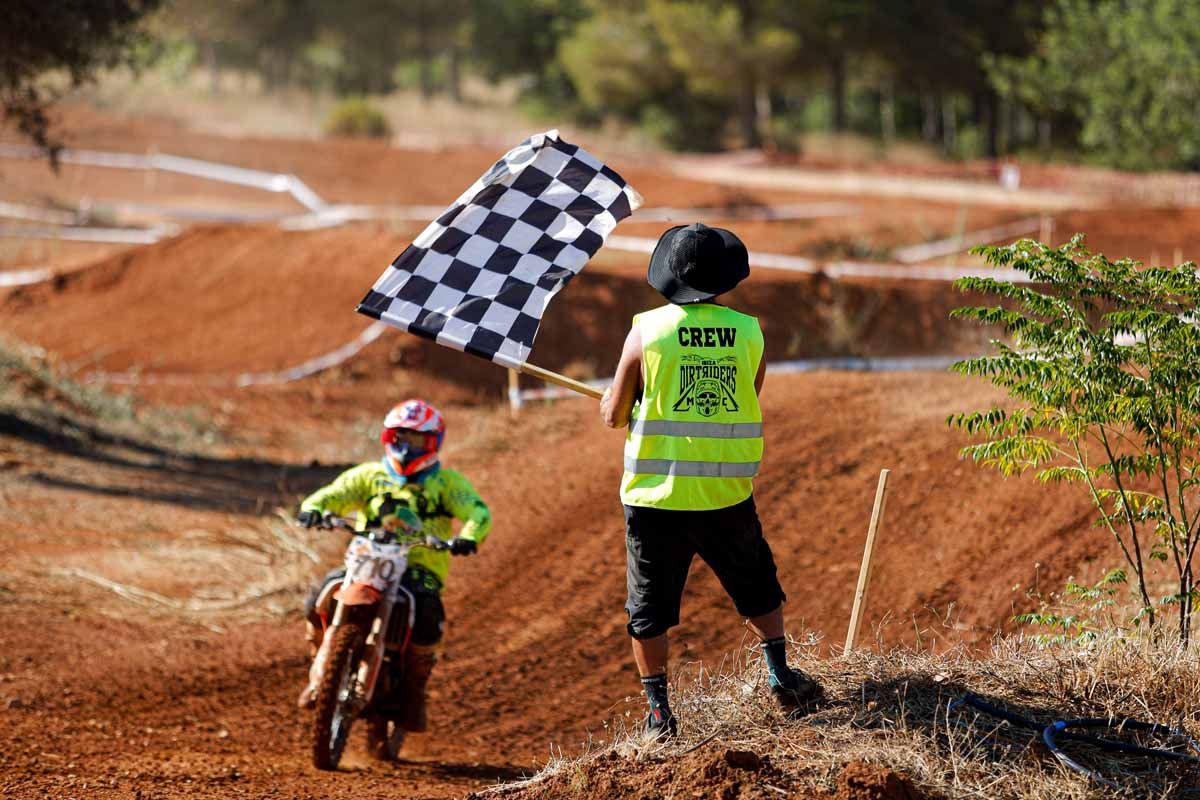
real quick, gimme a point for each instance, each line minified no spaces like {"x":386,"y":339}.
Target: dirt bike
{"x":368,"y":618}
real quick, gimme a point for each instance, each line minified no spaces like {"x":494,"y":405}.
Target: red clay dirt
{"x":712,"y":772}
{"x":105,"y":692}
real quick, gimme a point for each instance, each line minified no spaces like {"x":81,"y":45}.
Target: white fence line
{"x":315,"y":365}
{"x":787,"y":211}
{"x":841,"y":269}
{"x":211,"y":170}
{"x":96,"y":235}
{"x":302,"y":370}
{"x":37,"y":214}
{"x":836,"y":364}
{"x":956,"y":244}
{"x":24,"y":277}
{"x":867,"y":269}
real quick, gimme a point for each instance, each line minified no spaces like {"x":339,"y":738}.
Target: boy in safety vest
{"x":687,"y":386}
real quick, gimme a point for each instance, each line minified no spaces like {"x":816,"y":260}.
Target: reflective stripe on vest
{"x":692,"y":469}
{"x":701,"y":430}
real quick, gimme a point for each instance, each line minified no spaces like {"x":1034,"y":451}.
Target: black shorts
{"x":660,"y":544}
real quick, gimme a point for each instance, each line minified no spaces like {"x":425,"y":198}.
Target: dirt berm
{"x":218,"y":301}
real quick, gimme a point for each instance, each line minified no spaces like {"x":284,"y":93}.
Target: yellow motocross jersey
{"x":438,"y":500}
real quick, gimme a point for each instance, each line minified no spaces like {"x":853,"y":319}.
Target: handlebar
{"x":432,"y":542}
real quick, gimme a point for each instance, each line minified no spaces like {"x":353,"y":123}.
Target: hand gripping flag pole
{"x":481,"y":275}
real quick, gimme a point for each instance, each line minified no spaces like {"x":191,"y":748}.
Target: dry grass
{"x":37,"y":388}
{"x":894,"y":710}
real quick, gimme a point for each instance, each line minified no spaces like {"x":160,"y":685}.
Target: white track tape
{"x":267,"y":181}
{"x":85,"y":234}
{"x":24,"y":277}
{"x":779,"y":212}
{"x":866,"y":269}
{"x":302,"y":370}
{"x":842,"y":269}
{"x":641,"y":244}
{"x":126,"y":209}
{"x":861,"y":364}
{"x":956,"y":244}
{"x":315,"y":365}
{"x":839,"y":364}
{"x":36,"y":214}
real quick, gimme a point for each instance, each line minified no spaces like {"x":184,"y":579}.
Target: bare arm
{"x":617,"y":403}
{"x":760,"y":377}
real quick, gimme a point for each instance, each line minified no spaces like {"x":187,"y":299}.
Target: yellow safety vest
{"x":695,"y":436}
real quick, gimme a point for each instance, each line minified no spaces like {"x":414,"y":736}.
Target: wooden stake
{"x":514,"y":393}
{"x":864,"y":572}
{"x":561,"y":380}
{"x":1046,"y":233}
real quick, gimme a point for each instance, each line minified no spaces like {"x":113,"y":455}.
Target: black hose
{"x":1061,"y":729}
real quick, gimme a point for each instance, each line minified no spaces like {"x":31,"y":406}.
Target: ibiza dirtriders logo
{"x":707,"y":384}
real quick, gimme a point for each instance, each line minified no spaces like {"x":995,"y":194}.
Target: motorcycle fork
{"x":372,"y":659}
{"x":377,"y":644}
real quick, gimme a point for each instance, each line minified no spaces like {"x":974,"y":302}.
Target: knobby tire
{"x":345,"y":653}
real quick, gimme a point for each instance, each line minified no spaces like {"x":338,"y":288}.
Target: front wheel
{"x":384,"y":738}
{"x":336,"y":696}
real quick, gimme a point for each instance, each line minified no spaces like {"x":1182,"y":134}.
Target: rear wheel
{"x":336,"y":697}
{"x":384,"y":738}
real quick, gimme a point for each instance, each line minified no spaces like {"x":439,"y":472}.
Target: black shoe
{"x":797,"y":691}
{"x":660,"y":724}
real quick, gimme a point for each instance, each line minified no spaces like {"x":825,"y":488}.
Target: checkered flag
{"x":479,"y":278}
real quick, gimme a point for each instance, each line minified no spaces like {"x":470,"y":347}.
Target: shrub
{"x":356,"y":116}
{"x":1103,"y":370}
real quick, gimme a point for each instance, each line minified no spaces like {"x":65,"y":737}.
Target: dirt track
{"x":103,"y":696}
{"x":123,"y":699}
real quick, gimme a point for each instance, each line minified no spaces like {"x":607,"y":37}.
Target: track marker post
{"x":864,"y":572}
{"x":514,"y":393}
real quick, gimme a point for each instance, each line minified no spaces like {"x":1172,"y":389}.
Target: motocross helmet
{"x":412,"y":435}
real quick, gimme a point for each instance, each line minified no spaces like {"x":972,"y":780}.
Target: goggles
{"x":417,"y":440}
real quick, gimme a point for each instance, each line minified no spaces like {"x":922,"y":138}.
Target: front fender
{"x":358,"y":594}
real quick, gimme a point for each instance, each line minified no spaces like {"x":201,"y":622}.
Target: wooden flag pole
{"x":864,"y":572}
{"x":561,"y":380}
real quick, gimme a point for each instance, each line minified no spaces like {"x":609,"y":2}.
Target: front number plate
{"x":377,"y":565}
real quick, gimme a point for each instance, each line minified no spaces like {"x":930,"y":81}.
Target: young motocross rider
{"x":409,"y":476}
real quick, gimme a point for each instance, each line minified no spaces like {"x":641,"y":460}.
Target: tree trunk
{"x":984,"y":111}
{"x":425,"y":54}
{"x":837,"y":90}
{"x":1044,"y":137}
{"x":1186,"y":586}
{"x":929,"y":116}
{"x":887,"y":112}
{"x":748,"y":113}
{"x":763,"y":109}
{"x":454,"y":74}
{"x":1004,"y":125}
{"x":210,"y":63}
{"x":749,"y":88}
{"x":949,"y":124}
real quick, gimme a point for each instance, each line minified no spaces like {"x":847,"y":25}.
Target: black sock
{"x":776,"y":652}
{"x":655,"y":687}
